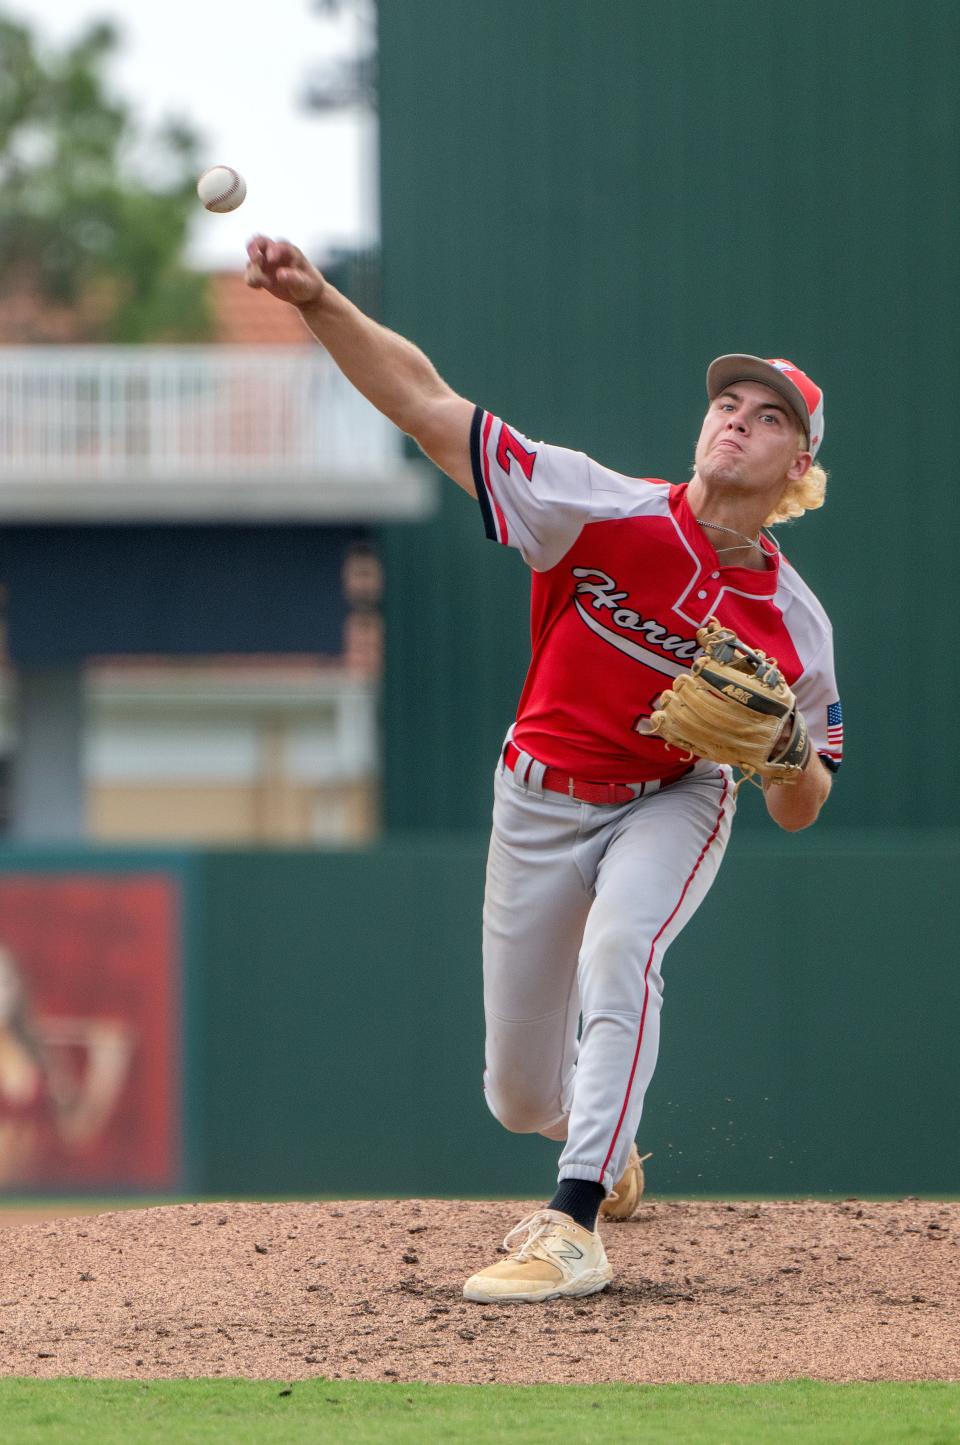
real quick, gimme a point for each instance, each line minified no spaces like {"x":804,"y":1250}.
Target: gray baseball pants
{"x":581,"y":905}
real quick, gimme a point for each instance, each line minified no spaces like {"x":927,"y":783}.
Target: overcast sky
{"x":237,"y":73}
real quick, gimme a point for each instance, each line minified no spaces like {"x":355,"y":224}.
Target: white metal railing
{"x":169,"y":412}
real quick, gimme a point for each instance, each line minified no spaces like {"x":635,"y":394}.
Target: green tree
{"x":79,"y":232}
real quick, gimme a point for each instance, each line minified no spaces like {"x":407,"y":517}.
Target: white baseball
{"x":221,"y":188}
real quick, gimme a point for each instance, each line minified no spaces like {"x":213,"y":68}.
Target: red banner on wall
{"x":89,"y":1032}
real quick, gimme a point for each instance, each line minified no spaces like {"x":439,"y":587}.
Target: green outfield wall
{"x":582,"y":204}
{"x":809,"y":1028}
{"x":330,"y":1031}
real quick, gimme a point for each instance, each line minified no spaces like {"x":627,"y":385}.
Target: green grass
{"x":243,"y":1412}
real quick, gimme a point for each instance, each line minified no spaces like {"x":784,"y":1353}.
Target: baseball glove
{"x":734,"y":706}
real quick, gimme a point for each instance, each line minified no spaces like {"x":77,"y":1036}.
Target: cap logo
{"x":783,"y":365}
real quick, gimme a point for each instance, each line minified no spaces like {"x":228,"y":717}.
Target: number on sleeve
{"x":508,"y":447}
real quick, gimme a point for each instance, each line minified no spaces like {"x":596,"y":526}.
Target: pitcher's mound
{"x":372,"y":1290}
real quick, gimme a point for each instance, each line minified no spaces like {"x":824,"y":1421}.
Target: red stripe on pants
{"x":646,"y":973}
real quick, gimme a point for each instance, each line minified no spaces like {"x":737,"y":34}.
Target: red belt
{"x":585,"y":791}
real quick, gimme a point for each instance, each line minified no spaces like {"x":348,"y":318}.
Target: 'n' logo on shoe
{"x":569,"y":1251}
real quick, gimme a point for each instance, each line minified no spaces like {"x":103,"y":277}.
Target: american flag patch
{"x":835,"y":731}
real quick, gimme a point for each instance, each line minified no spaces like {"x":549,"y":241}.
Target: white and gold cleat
{"x":549,"y":1256}
{"x":628,"y":1190}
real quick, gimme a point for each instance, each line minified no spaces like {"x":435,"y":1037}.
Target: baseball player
{"x":605,"y":837}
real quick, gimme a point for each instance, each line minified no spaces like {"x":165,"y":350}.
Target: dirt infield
{"x":371,"y":1290}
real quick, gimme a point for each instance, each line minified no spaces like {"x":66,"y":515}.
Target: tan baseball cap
{"x":796,"y":388}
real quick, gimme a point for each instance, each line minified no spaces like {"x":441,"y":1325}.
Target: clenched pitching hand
{"x":282,"y":269}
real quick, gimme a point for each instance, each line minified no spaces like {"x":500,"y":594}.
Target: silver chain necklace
{"x":745,"y":541}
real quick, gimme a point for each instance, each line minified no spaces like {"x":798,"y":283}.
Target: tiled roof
{"x":27,"y":319}
{"x":246,"y":318}
{"x":242,"y":317}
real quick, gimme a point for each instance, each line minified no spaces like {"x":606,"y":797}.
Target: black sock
{"x":581,"y":1199}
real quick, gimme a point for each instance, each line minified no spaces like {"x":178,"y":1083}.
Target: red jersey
{"x":622,"y":578}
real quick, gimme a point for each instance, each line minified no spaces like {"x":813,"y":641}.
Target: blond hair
{"x":805,"y":494}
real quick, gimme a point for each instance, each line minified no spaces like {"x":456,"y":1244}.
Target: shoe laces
{"x":523,"y":1237}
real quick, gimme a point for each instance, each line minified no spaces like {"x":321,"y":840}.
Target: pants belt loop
{"x":528,"y":774}
{"x":535,"y":775}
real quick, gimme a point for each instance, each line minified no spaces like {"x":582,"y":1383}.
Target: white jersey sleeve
{"x":816,"y":686}
{"x":533,"y":496}
{"x":819,"y":701}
